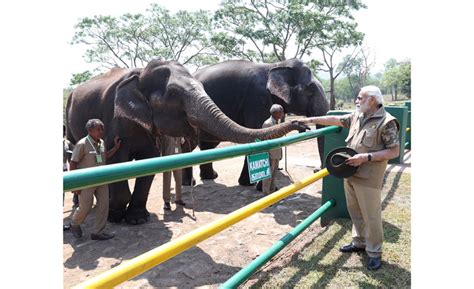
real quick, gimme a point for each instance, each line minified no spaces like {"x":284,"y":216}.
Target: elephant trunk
{"x":204,"y":113}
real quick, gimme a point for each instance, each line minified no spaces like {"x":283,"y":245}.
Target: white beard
{"x":362,"y":108}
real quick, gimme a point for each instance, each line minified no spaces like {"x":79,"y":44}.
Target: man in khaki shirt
{"x":170,"y":146}
{"x":90,"y":152}
{"x":268,"y":185}
{"x":374,"y":134}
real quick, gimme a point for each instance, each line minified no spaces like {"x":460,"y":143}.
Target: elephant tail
{"x":69,"y":135}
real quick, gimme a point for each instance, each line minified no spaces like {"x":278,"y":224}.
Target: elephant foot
{"x":205,"y":175}
{"x":137,"y":216}
{"x":116,"y":216}
{"x":189,"y":182}
{"x":245,"y":182}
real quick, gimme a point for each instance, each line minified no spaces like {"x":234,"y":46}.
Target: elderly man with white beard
{"x":374,"y":135}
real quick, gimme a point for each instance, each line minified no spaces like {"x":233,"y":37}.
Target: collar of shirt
{"x":378,"y":113}
{"x":93,"y":142}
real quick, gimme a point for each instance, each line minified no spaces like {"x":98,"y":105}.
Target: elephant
{"x":139,"y":104}
{"x":245,"y":91}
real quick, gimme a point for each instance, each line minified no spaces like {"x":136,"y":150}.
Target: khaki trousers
{"x":86,"y":199}
{"x":268,"y":185}
{"x":364,"y":206}
{"x":170,"y":146}
{"x":178,"y":179}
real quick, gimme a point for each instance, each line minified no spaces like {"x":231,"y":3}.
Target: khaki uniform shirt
{"x":170,"y":145}
{"x":85,"y":155}
{"x":371,"y":133}
{"x":275,"y":153}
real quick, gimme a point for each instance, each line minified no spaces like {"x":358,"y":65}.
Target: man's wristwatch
{"x":369,"y":157}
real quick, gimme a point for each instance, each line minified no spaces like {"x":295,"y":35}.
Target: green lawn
{"x":319,"y":264}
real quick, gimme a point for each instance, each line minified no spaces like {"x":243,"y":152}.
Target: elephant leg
{"x":120,"y":196}
{"x":244,"y":179}
{"x":207,"y":171}
{"x":187,"y":173}
{"x":136,"y":212}
{"x":188,"y":179}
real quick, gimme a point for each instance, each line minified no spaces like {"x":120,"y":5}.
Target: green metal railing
{"x":84,"y":178}
{"x":246,"y":272}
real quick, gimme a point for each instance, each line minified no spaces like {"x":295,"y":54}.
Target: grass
{"x":319,"y":264}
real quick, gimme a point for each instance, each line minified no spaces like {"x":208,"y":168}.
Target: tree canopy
{"x":316,"y":31}
{"x":397,"y":77}
{"x":132,"y":40}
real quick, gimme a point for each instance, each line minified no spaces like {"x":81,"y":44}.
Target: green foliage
{"x":257,"y":30}
{"x":405,"y":78}
{"x":264,"y":31}
{"x":78,"y":78}
{"x":132,"y":40}
{"x":397,"y":77}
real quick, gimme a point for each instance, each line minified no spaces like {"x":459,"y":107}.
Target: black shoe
{"x":167,"y":206}
{"x":374,"y":264}
{"x":180,"y":202}
{"x":350,"y":248}
{"x":102,"y":236}
{"x":76,"y":231}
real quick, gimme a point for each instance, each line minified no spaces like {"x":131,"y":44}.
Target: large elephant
{"x":139,"y":104}
{"x":245,"y":91}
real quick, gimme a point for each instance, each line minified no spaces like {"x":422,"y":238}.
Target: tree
{"x":132,"y":40}
{"x":78,"y":78}
{"x":267,"y":31}
{"x":397,"y":77}
{"x":405,"y":78}
{"x":357,"y":69}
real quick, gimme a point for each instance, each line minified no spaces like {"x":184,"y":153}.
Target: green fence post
{"x":401,"y":114}
{"x":333,"y":188}
{"x":408,"y":135}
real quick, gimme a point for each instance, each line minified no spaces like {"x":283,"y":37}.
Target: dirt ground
{"x":214,"y":260}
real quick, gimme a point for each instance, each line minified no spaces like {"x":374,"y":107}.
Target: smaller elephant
{"x":245,"y":91}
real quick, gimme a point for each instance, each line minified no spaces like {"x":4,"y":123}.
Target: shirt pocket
{"x":370,"y":135}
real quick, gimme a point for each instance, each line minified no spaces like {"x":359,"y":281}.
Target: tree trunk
{"x":332,"y":104}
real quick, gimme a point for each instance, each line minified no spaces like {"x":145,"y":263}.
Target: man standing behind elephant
{"x":268,"y":185}
{"x":169,"y":146}
{"x":90,"y":152}
{"x":374,"y":134}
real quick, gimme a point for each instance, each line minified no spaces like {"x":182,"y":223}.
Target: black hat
{"x":336,"y":162}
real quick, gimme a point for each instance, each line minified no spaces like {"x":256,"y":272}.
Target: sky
{"x":385,"y":38}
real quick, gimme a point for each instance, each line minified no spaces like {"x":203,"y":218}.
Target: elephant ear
{"x":154,"y":81}
{"x":278,"y":83}
{"x":131,"y":104}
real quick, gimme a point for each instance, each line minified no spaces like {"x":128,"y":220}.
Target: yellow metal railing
{"x":148,"y":260}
